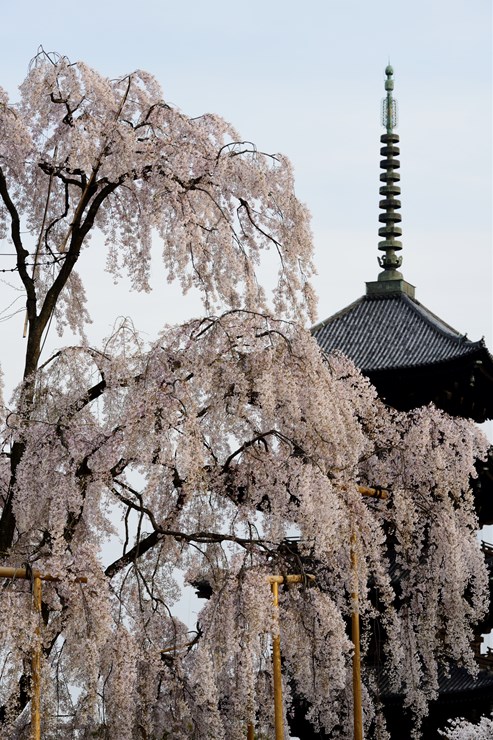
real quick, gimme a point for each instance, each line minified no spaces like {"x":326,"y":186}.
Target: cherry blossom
{"x":204,"y":452}
{"x":210,"y":448}
{"x":461,"y":729}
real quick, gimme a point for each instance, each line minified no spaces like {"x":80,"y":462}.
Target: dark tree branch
{"x":22,"y":253}
{"x":203,"y":538}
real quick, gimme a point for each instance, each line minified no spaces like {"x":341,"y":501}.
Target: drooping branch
{"x":202,"y":538}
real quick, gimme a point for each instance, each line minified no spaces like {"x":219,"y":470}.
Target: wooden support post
{"x":355,"y":636}
{"x":250,"y":732}
{"x":276,"y":650}
{"x":22,"y":573}
{"x":36,"y":662}
{"x":36,"y":578}
{"x":378,"y":493}
{"x":276,"y":668}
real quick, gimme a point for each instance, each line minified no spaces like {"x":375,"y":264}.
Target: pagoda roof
{"x":392,"y":332}
{"x":452,"y":680}
{"x":410,"y":355}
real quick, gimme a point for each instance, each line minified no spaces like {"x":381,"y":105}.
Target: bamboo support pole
{"x":378,"y":493}
{"x":36,"y":664}
{"x":274,"y":581}
{"x":276,"y":650}
{"x":36,"y":578}
{"x":355,"y":636}
{"x":276,"y":666}
{"x":373,"y":492}
{"x":26,"y":574}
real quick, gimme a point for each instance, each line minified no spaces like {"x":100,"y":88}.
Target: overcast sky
{"x":307,"y":80}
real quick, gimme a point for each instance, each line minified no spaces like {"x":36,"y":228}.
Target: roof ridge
{"x":337,"y":315}
{"x":390,"y":331}
{"x":438,"y":323}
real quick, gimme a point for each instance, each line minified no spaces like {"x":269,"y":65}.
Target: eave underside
{"x":461,"y":387}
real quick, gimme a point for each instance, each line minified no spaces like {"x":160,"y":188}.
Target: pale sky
{"x":308,"y":81}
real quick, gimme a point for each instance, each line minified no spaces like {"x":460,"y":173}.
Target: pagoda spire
{"x":390,"y":279}
{"x":390,"y":188}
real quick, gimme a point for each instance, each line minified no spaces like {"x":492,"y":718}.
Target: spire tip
{"x":390,"y":280}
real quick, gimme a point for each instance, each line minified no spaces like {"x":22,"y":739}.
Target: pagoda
{"x":414,"y":358}
{"x":410,"y":355}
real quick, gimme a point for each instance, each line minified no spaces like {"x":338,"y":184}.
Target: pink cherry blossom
{"x":203,"y":453}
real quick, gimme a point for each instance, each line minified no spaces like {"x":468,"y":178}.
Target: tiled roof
{"x":383,"y":332}
{"x":454,"y":681}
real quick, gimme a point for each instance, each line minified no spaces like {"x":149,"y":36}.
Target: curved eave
{"x":475,"y":354}
{"x":411,"y":355}
{"x":395,"y":331}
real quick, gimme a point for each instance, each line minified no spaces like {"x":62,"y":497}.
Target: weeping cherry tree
{"x":200,"y":454}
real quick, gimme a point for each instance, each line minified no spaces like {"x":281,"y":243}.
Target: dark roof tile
{"x":455,"y":680}
{"x":390,"y":332}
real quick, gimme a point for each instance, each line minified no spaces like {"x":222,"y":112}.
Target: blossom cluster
{"x":128,"y":466}
{"x":80,"y":151}
{"x":461,"y":729}
{"x":205,"y":454}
